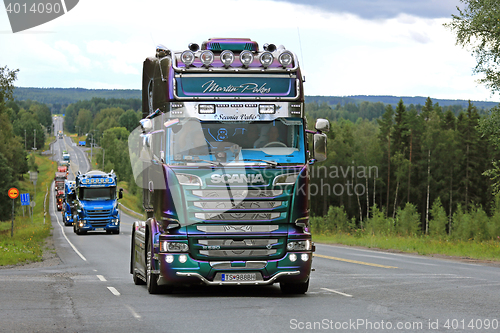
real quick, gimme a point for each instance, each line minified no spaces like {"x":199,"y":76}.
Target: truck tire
{"x":151,"y":278}
{"x":294,"y":288}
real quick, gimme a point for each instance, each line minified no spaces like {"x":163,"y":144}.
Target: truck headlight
{"x":285,"y":179}
{"x":299,"y":246}
{"x":166,"y":246}
{"x":115,"y":221}
{"x":185,"y":179}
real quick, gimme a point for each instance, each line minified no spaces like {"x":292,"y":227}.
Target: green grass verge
{"x":424,"y":245}
{"x":130,"y":201}
{"x":28,"y":242}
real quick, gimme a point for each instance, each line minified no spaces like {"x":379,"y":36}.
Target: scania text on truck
{"x":223,"y":157}
{"x":97,"y":204}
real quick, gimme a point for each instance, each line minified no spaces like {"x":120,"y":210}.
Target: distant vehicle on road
{"x":97,"y":203}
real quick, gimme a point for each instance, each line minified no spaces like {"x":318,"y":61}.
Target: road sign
{"x":33,"y":176}
{"x":13,"y":193}
{"x":25,"y":199}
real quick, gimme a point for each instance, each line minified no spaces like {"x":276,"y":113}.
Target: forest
{"x":408,"y":161}
{"x":385,"y":161}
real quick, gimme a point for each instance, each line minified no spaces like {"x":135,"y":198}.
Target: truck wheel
{"x":151,"y":278}
{"x":294,"y":288}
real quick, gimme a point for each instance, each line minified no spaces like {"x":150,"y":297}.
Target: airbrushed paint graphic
{"x":212,"y":86}
{"x":26,"y":14}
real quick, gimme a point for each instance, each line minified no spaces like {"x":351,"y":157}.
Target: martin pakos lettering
{"x":212,"y":87}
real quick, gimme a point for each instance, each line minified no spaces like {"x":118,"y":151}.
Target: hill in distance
{"x":65,"y":96}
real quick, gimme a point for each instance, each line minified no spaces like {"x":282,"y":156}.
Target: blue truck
{"x":70,"y":203}
{"x":223,"y":156}
{"x":97,"y":203}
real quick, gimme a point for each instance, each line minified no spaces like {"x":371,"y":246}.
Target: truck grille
{"x":247,"y":247}
{"x":98,"y":223}
{"x":99,"y":214}
{"x":99,"y":218}
{"x":238,"y":223}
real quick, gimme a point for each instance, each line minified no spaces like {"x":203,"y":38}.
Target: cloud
{"x":342,"y":50}
{"x":383,"y":9}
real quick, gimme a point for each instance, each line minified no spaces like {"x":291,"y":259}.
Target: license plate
{"x":238,"y":277}
{"x":99,"y":229}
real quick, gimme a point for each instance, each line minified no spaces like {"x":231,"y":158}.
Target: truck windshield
{"x":194,"y":141}
{"x":97,"y":193}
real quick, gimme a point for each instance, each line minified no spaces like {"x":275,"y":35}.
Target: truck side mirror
{"x":120,"y":194}
{"x":319,"y":147}
{"x":322,"y":125}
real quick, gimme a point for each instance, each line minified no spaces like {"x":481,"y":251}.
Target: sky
{"x":355,"y":47}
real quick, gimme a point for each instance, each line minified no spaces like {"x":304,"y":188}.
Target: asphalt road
{"x":87,"y":287}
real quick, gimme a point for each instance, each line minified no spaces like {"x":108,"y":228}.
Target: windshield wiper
{"x":214,"y":163}
{"x":271,"y":163}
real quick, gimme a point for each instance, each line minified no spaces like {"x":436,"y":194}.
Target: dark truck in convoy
{"x":223,"y":157}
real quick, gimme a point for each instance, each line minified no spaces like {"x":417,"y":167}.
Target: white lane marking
{"x":114,"y":291}
{"x":62,"y":228}
{"x":100,"y":277}
{"x":132,"y":311}
{"x":337,"y":292}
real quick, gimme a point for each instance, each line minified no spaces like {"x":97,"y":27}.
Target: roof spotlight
{"x":266,"y":59}
{"x":246,"y":58}
{"x":227,"y":58}
{"x":285,"y":59}
{"x":187,"y":57}
{"x":207,"y":57}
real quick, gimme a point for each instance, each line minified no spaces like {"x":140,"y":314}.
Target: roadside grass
{"x":28,"y":242}
{"x":130,"y":200}
{"x":424,"y":245}
{"x":133,"y":202}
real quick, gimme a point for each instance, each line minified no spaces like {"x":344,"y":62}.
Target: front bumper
{"x":193,"y":271}
{"x":88,"y":226}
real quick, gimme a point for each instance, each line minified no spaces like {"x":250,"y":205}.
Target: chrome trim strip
{"x":239,"y":283}
{"x":236,"y":228}
{"x":248,"y":265}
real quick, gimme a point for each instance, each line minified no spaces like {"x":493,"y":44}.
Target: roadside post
{"x":13,"y":194}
